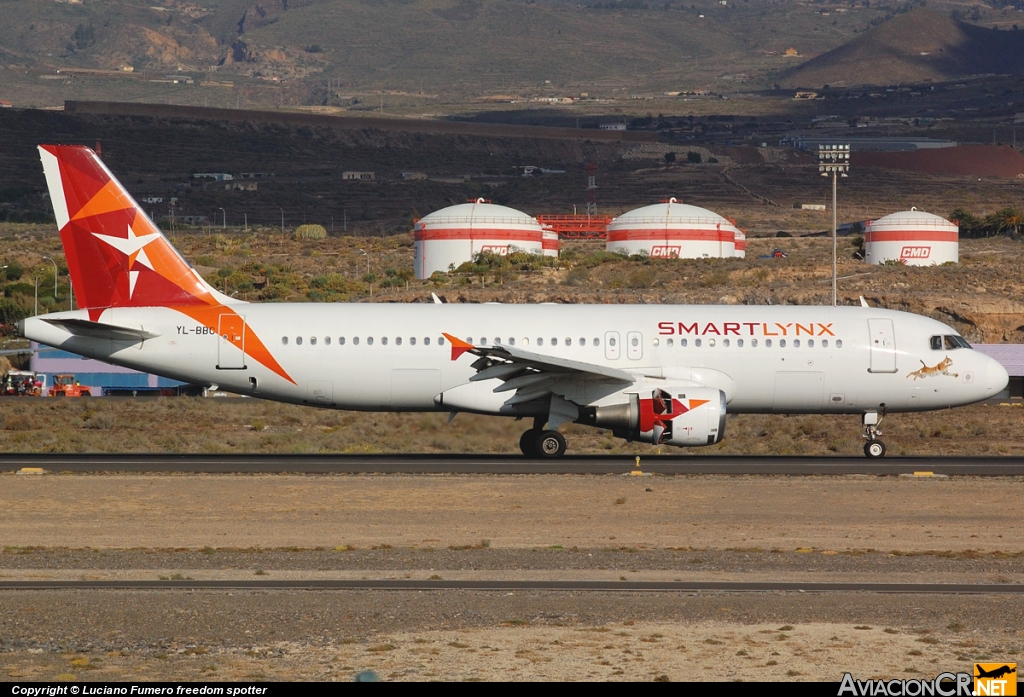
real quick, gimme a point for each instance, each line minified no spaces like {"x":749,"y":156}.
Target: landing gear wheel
{"x":550,"y":444}
{"x":874,"y":449}
{"x":528,"y":442}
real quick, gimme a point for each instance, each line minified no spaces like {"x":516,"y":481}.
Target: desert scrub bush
{"x":101,"y":421}
{"x":311,"y":231}
{"x":641,"y":278}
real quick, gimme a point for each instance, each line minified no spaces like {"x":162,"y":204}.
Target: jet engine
{"x":669,"y":415}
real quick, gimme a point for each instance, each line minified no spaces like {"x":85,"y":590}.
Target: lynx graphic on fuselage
{"x":650,"y":373}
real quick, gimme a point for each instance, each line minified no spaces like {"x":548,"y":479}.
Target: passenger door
{"x":882,"y":340}
{"x":231,"y":342}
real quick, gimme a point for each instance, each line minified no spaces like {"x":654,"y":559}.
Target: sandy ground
{"x":510,"y":527}
{"x":839,"y":513}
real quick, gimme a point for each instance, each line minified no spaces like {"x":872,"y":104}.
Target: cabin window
{"x":739,"y":343}
{"x":955,"y":342}
{"x":568,"y":341}
{"x":682,"y":343}
{"x":597,"y":342}
{"x":298,"y":341}
{"x":469,"y":340}
{"x":725,"y":342}
{"x":426,"y":341}
{"x":383,"y":341}
{"x":611,"y":341}
{"x":767,"y":343}
{"x":554,"y":341}
{"x":355,"y":341}
{"x":634,"y":341}
{"x":284,"y":340}
{"x":810,"y":343}
{"x":497,"y":341}
{"x":511,"y":341}
{"x":696,"y":342}
{"x":936,"y":343}
{"x":656,"y":341}
{"x":327,"y":340}
{"x":583,"y":341}
{"x":796,"y":343}
{"x":412,"y":341}
{"x":341,"y":341}
{"x":526,"y":341}
{"x":440,"y":341}
{"x":782,"y":343}
{"x":398,"y":341}
{"x":753,"y":342}
{"x":824,"y":343}
{"x":839,"y":343}
{"x":540,"y":342}
{"x":369,"y":341}
{"x":669,"y":342}
{"x":312,"y":341}
{"x":711,"y":343}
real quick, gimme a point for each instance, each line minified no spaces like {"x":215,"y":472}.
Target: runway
{"x":513,"y":586}
{"x":510,"y":464}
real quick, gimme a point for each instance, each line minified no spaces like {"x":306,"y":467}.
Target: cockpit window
{"x":948,"y":342}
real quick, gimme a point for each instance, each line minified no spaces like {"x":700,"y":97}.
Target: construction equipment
{"x":67,"y":386}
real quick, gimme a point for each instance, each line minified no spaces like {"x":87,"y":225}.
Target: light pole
{"x":55,"y":272}
{"x":363,"y":253}
{"x":224,"y":218}
{"x":282,"y":220}
{"x":835,"y":160}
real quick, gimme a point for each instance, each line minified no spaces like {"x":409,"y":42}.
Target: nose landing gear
{"x":874,"y":448}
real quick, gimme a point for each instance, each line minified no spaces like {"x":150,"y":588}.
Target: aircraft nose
{"x":996,"y":378}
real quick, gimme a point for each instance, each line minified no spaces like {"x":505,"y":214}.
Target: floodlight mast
{"x":835,"y":160}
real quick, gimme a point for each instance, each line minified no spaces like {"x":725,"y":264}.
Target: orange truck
{"x":67,"y":386}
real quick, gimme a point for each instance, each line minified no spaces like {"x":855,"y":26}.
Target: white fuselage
{"x":392,"y":357}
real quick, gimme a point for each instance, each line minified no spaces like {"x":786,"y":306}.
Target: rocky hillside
{"x":919,"y":46}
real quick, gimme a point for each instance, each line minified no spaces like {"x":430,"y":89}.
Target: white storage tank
{"x":550,"y":243}
{"x":672,"y":230}
{"x":451,"y":236}
{"x":741,"y":244}
{"x":912,"y":237}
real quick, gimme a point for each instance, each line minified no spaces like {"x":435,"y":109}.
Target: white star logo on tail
{"x":133,"y":247}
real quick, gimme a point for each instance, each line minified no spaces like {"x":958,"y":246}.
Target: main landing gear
{"x":540,"y":443}
{"x":873,"y":448}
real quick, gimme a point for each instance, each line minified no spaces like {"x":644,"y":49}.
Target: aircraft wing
{"x":99,"y":330}
{"x":535,"y":375}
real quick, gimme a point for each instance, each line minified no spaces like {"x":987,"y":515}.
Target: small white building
{"x":449,"y":237}
{"x":674,"y":230}
{"x":912,"y":237}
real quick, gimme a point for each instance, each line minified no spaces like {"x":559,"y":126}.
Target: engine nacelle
{"x":670,"y":415}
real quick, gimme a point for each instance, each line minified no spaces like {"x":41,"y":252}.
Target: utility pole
{"x":282,"y":220}
{"x":835,"y":160}
{"x":224,"y":218}
{"x":55,"y":272}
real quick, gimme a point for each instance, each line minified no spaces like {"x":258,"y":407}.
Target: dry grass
{"x":195,"y":425}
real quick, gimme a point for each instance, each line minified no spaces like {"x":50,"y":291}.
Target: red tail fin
{"x":116,"y":256}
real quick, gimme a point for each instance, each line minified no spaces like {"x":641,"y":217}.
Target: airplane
{"x":995,"y":672}
{"x":660,"y":374}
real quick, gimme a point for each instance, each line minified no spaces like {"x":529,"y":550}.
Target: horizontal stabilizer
{"x":99,"y":330}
